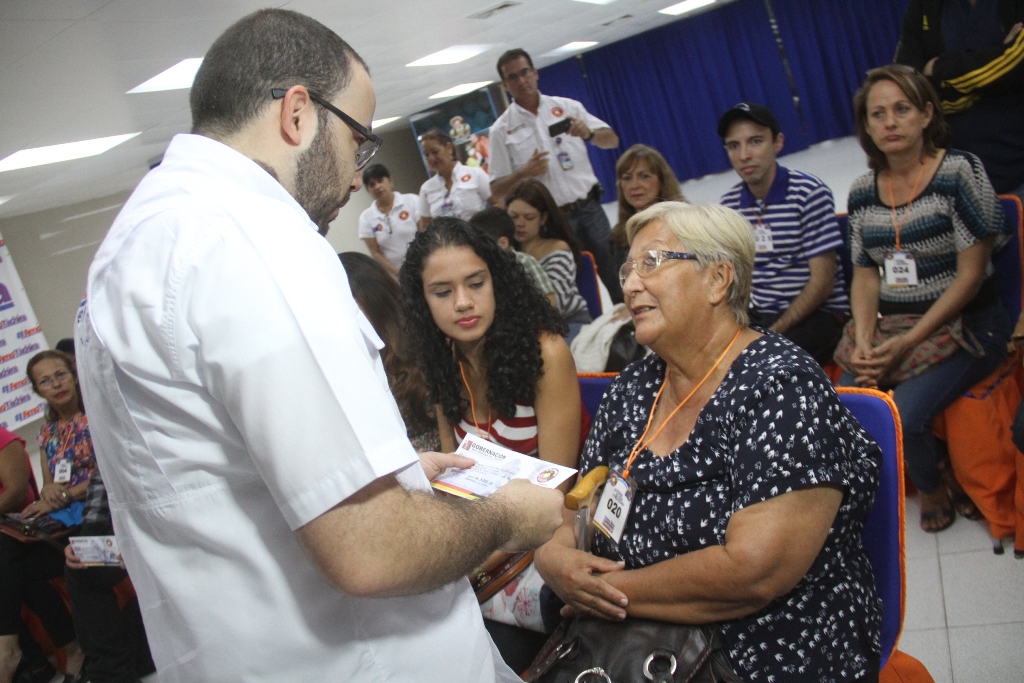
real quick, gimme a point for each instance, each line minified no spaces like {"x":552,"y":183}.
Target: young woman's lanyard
{"x":617,"y":498}
{"x":472,"y":406}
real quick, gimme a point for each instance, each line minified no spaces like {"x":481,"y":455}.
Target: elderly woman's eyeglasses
{"x":649,"y":262}
{"x":58,"y":377}
{"x":370,"y":143}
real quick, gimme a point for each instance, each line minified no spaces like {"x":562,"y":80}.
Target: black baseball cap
{"x":758,"y":113}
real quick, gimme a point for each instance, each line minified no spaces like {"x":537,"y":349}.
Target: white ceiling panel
{"x":69,"y":64}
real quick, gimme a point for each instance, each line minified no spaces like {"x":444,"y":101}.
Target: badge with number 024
{"x":613,"y":508}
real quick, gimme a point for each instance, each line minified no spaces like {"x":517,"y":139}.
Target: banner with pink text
{"x":20,"y":339}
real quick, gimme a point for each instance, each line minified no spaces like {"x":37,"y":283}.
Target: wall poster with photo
{"x":466,"y":120}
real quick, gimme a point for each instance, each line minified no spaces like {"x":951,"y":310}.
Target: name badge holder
{"x":62,"y":472}
{"x":900,"y":269}
{"x":618,"y":495}
{"x":763,"y":234}
{"x":563,"y":157}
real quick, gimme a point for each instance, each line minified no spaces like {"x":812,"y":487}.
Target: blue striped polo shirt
{"x":801,"y":214}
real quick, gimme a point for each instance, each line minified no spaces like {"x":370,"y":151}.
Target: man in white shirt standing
{"x":389,"y":224}
{"x":275,"y":520}
{"x":546,"y":138}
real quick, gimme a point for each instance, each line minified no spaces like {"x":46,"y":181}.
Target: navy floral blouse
{"x":774,"y":425}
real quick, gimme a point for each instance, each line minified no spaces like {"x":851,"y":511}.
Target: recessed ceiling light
{"x":451,"y":55}
{"x":6,"y":199}
{"x":597,"y":2}
{"x":377,"y":123}
{"x":37,"y":156}
{"x":459,"y":90}
{"x":178,"y":77}
{"x":685,"y":6}
{"x":568,"y":48}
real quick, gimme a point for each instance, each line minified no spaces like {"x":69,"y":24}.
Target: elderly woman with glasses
{"x":751,"y":482}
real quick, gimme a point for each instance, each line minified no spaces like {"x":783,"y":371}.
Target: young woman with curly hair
{"x":496,"y":364}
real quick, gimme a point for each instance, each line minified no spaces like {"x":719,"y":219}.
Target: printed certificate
{"x":495,"y":467}
{"x":97,"y":551}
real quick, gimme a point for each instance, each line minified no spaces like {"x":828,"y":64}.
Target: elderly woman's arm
{"x":769,"y":547}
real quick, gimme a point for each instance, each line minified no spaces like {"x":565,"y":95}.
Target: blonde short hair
{"x":716,"y":235}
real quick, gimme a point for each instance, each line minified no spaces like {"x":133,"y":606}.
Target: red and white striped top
{"x":518,"y":433}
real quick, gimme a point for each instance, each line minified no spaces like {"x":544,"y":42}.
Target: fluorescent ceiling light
{"x":685,"y":6}
{"x":377,"y":123}
{"x":6,"y":199}
{"x":568,"y":48}
{"x":178,"y":77}
{"x":37,"y":156}
{"x":451,"y":55}
{"x":597,"y":2}
{"x":459,"y":90}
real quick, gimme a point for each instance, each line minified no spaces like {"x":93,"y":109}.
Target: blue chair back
{"x":586,"y":282}
{"x":844,"y":254}
{"x":883,"y":529}
{"x":593,"y":386}
{"x":1008,"y":260}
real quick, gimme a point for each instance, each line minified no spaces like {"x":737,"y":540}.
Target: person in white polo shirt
{"x":455,"y":189}
{"x":389,"y":224}
{"x":798,"y":289}
{"x":276,"y":522}
{"x":545,"y":137}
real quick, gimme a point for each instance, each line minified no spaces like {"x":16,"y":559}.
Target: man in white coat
{"x":275,"y":520}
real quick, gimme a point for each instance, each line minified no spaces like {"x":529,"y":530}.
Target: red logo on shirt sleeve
{"x":556,"y":111}
{"x":403,"y":216}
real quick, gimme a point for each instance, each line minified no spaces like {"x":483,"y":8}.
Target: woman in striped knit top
{"x":923,"y":223}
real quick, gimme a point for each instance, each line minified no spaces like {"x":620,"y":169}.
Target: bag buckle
{"x":593,"y":676}
{"x":659,"y":655}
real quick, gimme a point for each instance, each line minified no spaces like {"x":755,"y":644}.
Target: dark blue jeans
{"x":590,"y":225}
{"x":920,"y":399}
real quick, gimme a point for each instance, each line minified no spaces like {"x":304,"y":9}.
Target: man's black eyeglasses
{"x":370,"y":144}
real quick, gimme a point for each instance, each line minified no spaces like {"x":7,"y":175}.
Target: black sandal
{"x":963,"y":504}
{"x":933,"y":515}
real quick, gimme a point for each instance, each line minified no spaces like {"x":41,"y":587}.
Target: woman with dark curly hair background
{"x":496,"y":364}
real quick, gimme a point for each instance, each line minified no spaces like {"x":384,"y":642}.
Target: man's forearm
{"x":605,"y":138}
{"x":386,"y":541}
{"x":500,"y":187}
{"x":815,"y":293}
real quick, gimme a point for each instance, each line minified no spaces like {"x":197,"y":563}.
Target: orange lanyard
{"x":472,"y":406}
{"x":897,"y":224}
{"x":641,"y":444}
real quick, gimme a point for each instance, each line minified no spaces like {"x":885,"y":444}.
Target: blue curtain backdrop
{"x":668,"y":87}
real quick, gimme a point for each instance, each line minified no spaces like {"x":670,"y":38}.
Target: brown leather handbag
{"x":590,"y":650}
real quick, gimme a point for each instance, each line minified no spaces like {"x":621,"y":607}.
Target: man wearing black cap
{"x":797,"y":289}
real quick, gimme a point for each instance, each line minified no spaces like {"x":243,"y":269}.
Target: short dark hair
{"x":271,"y":48}
{"x":509,"y":55}
{"x":919,"y":91}
{"x":494,"y":223}
{"x":438,"y":136}
{"x":375,"y":172}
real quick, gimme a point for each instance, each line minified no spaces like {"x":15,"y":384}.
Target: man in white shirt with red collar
{"x":275,"y":520}
{"x":545,"y":137}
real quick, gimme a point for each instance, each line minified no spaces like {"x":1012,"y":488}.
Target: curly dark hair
{"x":512,"y":344}
{"x":378,"y":296}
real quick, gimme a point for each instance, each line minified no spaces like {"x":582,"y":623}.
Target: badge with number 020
{"x":613,"y":508}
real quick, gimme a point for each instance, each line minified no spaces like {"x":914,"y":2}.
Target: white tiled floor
{"x":965,"y":604}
